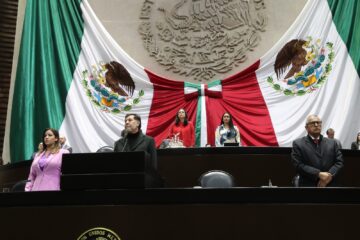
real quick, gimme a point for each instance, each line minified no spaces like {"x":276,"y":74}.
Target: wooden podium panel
{"x":102,"y":181}
{"x":178,"y":214}
{"x":106,"y":162}
{"x":115,"y":170}
{"x":251,"y":166}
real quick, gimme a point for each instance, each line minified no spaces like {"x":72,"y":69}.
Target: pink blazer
{"x":49,"y":178}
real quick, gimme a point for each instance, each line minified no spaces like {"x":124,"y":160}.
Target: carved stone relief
{"x":201,"y":38}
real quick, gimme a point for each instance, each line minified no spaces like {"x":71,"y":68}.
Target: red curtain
{"x":242,"y":98}
{"x":167,"y":100}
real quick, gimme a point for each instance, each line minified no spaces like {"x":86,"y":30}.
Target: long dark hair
{"x":56,"y":134}
{"x":177,"y":119}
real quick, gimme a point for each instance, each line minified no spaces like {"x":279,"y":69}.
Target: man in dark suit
{"x":356,"y":145}
{"x":317,"y":160}
{"x":62,"y":141}
{"x":331,"y":134}
{"x":134,"y":140}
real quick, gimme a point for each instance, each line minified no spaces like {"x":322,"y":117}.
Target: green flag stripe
{"x":50,"y":47}
{"x":198,"y":123}
{"x":214,"y":83}
{"x":346,"y":17}
{"x":192,"y":85}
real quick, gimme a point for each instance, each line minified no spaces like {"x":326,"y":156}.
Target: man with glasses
{"x":317,"y":160}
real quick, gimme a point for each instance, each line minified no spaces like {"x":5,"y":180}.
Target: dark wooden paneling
{"x":8,"y":13}
{"x":178,"y":214}
{"x":250,"y":166}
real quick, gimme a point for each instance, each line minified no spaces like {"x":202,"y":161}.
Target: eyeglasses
{"x":314,"y":122}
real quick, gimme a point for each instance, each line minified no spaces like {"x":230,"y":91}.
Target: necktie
{"x":316,"y":141}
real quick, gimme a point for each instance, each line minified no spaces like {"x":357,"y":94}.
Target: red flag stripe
{"x":243,"y":99}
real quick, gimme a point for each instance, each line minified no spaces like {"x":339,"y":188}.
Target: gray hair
{"x":310,"y":116}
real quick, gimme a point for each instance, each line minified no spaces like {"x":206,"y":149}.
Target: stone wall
{"x":197,"y":40}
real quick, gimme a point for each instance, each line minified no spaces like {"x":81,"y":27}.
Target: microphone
{"x":124,"y":134}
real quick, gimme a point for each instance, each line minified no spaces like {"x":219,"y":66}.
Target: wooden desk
{"x":251,"y":166}
{"x":237,"y":213}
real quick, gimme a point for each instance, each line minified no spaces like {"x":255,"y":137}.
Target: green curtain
{"x":50,"y":47}
{"x":346,"y":16}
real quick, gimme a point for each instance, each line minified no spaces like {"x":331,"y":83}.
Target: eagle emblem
{"x":110,"y":87}
{"x":302,"y":66}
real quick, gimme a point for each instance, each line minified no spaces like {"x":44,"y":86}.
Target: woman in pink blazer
{"x":46,"y":167}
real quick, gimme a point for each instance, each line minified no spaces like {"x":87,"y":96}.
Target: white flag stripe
{"x":203,"y":138}
{"x":334,"y":101}
{"x":86,"y":126}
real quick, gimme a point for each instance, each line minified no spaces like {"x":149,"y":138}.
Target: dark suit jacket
{"x":354,"y":146}
{"x":310,"y":159}
{"x":141,"y":142}
{"x":338,"y":143}
{"x":67,"y":147}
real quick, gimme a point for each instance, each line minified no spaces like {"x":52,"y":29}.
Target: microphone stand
{"x":126,"y":140}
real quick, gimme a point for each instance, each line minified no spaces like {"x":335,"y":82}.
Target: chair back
{"x":216,"y":179}
{"x":19,"y":186}
{"x":105,"y":149}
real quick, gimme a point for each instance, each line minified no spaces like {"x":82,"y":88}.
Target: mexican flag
{"x":73,"y":76}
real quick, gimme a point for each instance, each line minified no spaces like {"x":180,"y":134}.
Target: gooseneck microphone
{"x":126,"y":139}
